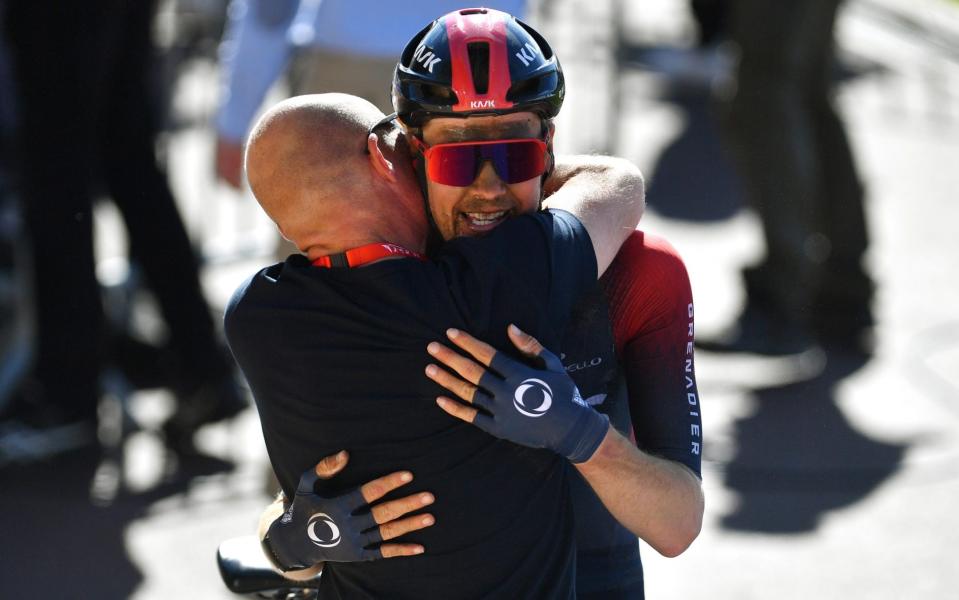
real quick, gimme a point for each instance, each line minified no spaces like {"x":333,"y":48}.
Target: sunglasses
{"x":458,"y":163}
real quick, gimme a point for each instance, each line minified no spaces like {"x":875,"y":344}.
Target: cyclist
{"x":629,"y":345}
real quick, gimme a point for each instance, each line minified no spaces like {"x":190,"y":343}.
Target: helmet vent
{"x":435,"y":94}
{"x":524,"y":90}
{"x":540,"y":41}
{"x":478,"y":53}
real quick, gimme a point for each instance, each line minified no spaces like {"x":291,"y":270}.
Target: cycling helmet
{"x":476,"y":61}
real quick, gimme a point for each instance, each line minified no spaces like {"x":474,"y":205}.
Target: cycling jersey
{"x":629,"y":350}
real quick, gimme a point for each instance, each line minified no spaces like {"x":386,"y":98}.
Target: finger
{"x":532,"y":348}
{"x":524,"y":342}
{"x":394,"y":550}
{"x":395,"y":529}
{"x":376,"y":489}
{"x":457,"y":409}
{"x":468,"y":369}
{"x":332,"y":464}
{"x":461,"y":388}
{"x":479,"y":350}
{"x":389,"y":511}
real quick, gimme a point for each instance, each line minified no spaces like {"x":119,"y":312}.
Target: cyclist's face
{"x":488,"y":201}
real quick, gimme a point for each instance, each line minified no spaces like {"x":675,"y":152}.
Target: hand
{"x":316,"y":528}
{"x":229,"y":162}
{"x":532,"y":407}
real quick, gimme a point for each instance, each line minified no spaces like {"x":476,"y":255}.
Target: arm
{"x":651,"y":313}
{"x":254,"y":52}
{"x":659,"y":500}
{"x":606,"y":193}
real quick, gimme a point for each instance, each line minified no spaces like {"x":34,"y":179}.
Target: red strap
{"x":363,"y":255}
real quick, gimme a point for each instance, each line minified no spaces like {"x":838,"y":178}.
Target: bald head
{"x":307,"y":164}
{"x":305,"y":146}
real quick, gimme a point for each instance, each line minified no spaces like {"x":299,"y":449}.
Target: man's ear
{"x":382,"y":166}
{"x":283,"y":233}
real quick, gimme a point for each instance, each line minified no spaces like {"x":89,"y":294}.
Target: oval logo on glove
{"x":533,"y":398}
{"x":326,"y":539}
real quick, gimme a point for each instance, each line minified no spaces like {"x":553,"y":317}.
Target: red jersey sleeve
{"x":651,"y":312}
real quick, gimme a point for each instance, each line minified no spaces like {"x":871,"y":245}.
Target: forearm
{"x":652,"y":321}
{"x":606,"y":193}
{"x":252,"y":57}
{"x":659,"y":500}
{"x":273,"y":512}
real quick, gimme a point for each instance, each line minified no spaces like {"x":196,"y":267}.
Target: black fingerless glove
{"x":538,"y":408}
{"x":317,"y":529}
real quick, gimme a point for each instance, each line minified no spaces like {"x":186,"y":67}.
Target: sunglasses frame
{"x":427,"y":150}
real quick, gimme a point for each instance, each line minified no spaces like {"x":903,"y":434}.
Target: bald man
{"x":308,"y":170}
{"x":333,"y":345}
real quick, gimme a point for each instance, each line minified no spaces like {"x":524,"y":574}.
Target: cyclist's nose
{"x":488,"y":182}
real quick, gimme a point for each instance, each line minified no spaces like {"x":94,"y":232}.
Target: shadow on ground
{"x":59,"y":542}
{"x":798,"y":457}
{"x":693,"y":179}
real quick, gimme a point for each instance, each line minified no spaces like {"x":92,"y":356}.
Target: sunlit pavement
{"x":824,"y":478}
{"x":841,"y":486}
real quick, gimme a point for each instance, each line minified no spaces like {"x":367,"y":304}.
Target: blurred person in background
{"x":85,"y":129}
{"x":347,"y":46}
{"x":7,"y":108}
{"x":800,"y":177}
{"x":712,"y":21}
{"x":14,"y":285}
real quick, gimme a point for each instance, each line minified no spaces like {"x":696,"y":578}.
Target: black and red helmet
{"x":476,"y":61}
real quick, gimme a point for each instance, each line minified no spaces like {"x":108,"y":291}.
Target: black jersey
{"x":335,"y":360}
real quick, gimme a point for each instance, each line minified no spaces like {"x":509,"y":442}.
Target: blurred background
{"x":127,"y":453}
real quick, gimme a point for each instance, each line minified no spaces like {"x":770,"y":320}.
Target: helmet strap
{"x":549,"y":165}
